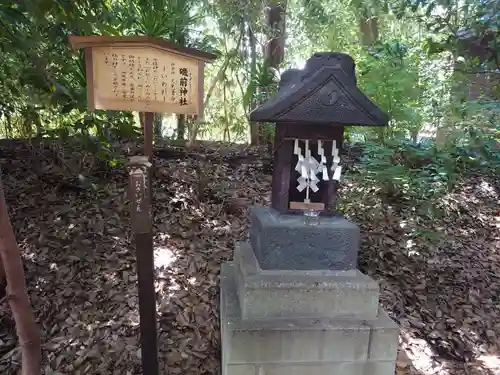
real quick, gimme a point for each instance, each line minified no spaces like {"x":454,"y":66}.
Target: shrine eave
{"x":293,"y":103}
{"x":78,"y":42}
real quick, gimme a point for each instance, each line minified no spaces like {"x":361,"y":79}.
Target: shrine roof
{"x":138,"y":41}
{"x":324,"y":92}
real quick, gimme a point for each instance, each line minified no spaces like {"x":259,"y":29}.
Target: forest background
{"x":424,"y":190}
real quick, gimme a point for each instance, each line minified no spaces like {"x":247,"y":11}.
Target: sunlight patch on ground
{"x":217,"y":226}
{"x":164,"y":256}
{"x":410,"y":227}
{"x":409,"y":245}
{"x":112,"y":277}
{"x":163,"y":236}
{"x":27,"y":253}
{"x":166,"y":288}
{"x":131,"y":318}
{"x":422,"y":357}
{"x":492,"y":362}
{"x":489,"y":190}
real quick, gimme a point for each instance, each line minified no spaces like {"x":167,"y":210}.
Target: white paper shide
{"x":309,"y":167}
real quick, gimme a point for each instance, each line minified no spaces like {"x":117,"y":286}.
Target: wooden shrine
{"x":310,"y":110}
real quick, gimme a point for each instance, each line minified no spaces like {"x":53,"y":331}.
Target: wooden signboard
{"x":144,"y":79}
{"x":147,"y":75}
{"x":143,"y":74}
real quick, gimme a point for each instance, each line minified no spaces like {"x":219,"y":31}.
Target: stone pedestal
{"x":285,"y":242}
{"x":280,"y":316}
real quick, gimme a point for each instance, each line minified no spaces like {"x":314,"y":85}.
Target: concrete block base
{"x":324,"y":368}
{"x":302,"y":346}
{"x":302,"y":294}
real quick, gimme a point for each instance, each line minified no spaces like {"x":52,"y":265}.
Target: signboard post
{"x":140,"y":199}
{"x":148,"y":75}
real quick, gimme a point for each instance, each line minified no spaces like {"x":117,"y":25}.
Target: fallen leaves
{"x":439,"y":277}
{"x":80,"y":260}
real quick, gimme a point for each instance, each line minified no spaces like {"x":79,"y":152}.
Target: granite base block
{"x":324,"y":368}
{"x":302,"y":294}
{"x":285,"y":242}
{"x":302,"y":346}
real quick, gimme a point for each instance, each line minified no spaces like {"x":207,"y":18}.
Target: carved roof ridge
{"x":330,"y":88}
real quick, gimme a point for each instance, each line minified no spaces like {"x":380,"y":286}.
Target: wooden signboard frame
{"x":98,"y":45}
{"x":95,"y":44}
{"x":143,"y":66}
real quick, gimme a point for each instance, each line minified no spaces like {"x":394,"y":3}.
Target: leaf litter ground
{"x":440,"y":279}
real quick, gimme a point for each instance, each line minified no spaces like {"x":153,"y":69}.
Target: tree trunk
{"x":222,"y":71}
{"x":181,"y":126}
{"x":8,"y":126}
{"x":275,"y":50}
{"x":226,"y":133}
{"x":19,"y":302}
{"x":158,"y":125}
{"x":141,"y":120}
{"x":254,"y":126}
{"x":193,"y":126}
{"x":368,"y":27}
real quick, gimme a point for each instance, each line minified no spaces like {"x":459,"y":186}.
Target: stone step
{"x":302,"y":294}
{"x":302,"y":346}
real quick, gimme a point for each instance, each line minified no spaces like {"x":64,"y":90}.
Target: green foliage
{"x":477,"y":138}
{"x":411,"y":71}
{"x":404,"y":172}
{"x":407,"y":171}
{"x":390,"y":75}
{"x":454,"y":23}
{"x":42,"y":81}
{"x":262,"y":85}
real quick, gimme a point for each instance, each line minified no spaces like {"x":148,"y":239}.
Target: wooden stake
{"x":142,"y":227}
{"x":3,"y":283}
{"x":26,"y":328}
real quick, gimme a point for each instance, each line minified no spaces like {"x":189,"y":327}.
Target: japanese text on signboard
{"x":144,"y":79}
